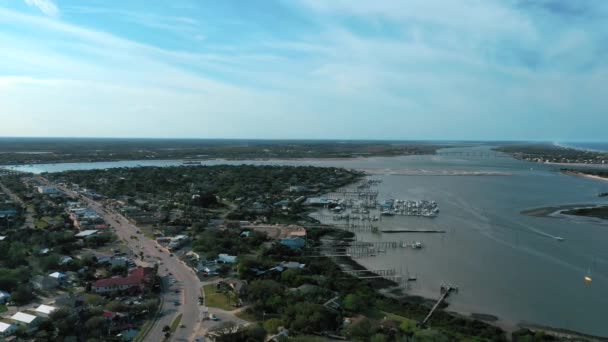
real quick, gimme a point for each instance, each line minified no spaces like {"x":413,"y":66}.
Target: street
{"x":187,"y":283}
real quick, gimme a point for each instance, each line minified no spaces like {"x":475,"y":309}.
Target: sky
{"x":305,"y":69}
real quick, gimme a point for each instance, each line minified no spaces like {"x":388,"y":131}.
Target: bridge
{"x":473,"y":154}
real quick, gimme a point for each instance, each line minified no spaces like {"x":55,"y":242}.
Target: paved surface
{"x":187,"y":284}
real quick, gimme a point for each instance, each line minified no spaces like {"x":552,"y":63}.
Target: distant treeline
{"x":47,"y":150}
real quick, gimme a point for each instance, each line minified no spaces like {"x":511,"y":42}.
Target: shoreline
{"x":584,"y":175}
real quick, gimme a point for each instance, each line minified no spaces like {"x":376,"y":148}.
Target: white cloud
{"x":47,"y":7}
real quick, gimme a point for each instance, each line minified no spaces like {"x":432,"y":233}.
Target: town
{"x":194,"y":252}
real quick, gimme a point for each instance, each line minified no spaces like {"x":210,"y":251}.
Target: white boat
{"x":559,"y":238}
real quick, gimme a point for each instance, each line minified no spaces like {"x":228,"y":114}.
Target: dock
{"x":446,"y":290}
{"x":413,"y":231}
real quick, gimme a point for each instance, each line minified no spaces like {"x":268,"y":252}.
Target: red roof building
{"x":136,"y":281}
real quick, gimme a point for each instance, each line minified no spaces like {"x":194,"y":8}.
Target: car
{"x":176,"y":302}
{"x":213,"y":317}
{"x":171,"y":254}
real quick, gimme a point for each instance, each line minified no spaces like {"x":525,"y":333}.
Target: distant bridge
{"x":474,"y":154}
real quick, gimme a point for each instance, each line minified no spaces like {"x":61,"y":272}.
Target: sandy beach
{"x":580,"y":174}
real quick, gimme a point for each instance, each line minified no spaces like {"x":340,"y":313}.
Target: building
{"x":61,"y":277}
{"x":135,"y":282}
{"x":226,"y":259}
{"x":7,"y":329}
{"x":293,"y":242}
{"x":25,"y":319}
{"x":85,"y":234}
{"x":47,"y":190}
{"x":5,"y":297}
{"x":177,"y":242}
{"x":45,"y":283}
{"x":44,"y":310}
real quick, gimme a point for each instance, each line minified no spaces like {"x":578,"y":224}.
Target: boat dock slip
{"x":413,"y":231}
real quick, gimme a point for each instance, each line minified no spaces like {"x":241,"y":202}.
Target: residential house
{"x":5,"y":297}
{"x":226,"y":259}
{"x":61,"y":277}
{"x":25,"y":319}
{"x":45,"y":283}
{"x":7,"y":329}
{"x":293,"y":242}
{"x":44,"y":310}
{"x":85,"y":234}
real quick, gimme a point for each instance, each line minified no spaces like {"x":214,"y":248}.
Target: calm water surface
{"x":505,"y":263}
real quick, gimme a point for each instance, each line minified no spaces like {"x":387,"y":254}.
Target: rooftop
{"x":23,"y":317}
{"x":45,"y":309}
{"x":85,"y":233}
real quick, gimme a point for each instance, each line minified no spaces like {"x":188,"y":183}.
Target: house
{"x":65,"y":260}
{"x":44,"y":310}
{"x":292,"y":265}
{"x":25,"y":319}
{"x":293,"y":242}
{"x":226,"y":259}
{"x":86,"y":234}
{"x":298,"y":188}
{"x":61,"y":277}
{"x":136,"y":281}
{"x":45,"y":283}
{"x":5,"y":297}
{"x":7,"y":329}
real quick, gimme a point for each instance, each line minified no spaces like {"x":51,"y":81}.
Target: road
{"x":178,"y":297}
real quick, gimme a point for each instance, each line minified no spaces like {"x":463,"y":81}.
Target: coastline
{"x":584,"y":175}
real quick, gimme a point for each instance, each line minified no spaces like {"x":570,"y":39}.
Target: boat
{"x":412,"y":278}
{"x":559,"y":238}
{"x":387,"y":213}
{"x":417,"y":245}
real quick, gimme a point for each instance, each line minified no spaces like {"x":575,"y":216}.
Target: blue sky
{"x":346,"y":69}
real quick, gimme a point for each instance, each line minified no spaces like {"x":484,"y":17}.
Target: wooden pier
{"x":446,"y":290}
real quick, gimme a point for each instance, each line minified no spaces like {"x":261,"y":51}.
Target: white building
{"x":86,"y":233}
{"x":45,"y":310}
{"x":25,"y":319}
{"x":7,"y":329}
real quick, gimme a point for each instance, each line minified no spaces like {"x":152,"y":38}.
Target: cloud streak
{"x":47,"y":7}
{"x":343,"y":69}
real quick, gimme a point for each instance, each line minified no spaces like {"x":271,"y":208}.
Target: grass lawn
{"x":3,"y":308}
{"x":40,"y":224}
{"x":215,"y":299}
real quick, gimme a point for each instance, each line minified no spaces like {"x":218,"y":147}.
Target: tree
{"x":272,"y":325}
{"x":353,"y":302}
{"x":362,"y":330}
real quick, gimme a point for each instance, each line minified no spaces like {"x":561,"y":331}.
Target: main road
{"x":179,"y":296}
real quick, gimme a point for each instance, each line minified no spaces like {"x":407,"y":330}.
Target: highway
{"x":178,"y":296}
